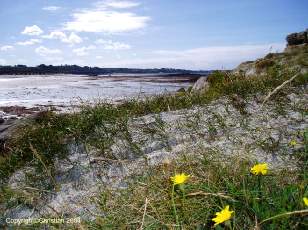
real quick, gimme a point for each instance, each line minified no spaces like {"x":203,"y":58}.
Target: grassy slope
{"x":213,"y":185}
{"x":38,"y":142}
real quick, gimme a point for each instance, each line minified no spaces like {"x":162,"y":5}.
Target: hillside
{"x":294,"y":57}
{"x":110,"y":165}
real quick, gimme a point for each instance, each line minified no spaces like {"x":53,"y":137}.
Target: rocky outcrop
{"x":297,"y":38}
{"x":11,"y":117}
{"x":201,"y":84}
{"x":294,"y":57}
{"x":7,"y":125}
{"x":246,"y":68}
{"x":260,"y":134}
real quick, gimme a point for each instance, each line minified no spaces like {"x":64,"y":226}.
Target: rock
{"x":181,"y":90}
{"x":19,"y":178}
{"x":293,"y":98}
{"x":239,"y":103}
{"x":201,"y":84}
{"x":6,"y":128}
{"x":294,"y":57}
{"x":85,"y":172}
{"x":1,"y":120}
{"x":246,"y":68}
{"x":20,"y":212}
{"x":297,"y":38}
{"x":294,"y":49}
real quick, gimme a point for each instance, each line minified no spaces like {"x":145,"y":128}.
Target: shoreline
{"x":40,"y":91}
{"x":13,"y":115}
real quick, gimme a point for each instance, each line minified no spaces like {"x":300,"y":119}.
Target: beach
{"x":59,"y":91}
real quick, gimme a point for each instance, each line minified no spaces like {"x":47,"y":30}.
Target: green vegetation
{"x":264,"y":63}
{"x":213,"y":183}
{"x":43,"y":139}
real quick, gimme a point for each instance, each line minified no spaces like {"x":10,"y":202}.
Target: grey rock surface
{"x":297,"y":38}
{"x":263,"y":134}
{"x":201,"y":84}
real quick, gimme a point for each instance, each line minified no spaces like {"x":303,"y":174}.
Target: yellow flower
{"x":305,"y":199}
{"x":179,"y":178}
{"x":259,"y":169}
{"x":222,"y":216}
{"x":293,"y":143}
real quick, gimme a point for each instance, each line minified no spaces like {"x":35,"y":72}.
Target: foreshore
{"x":12,"y":113}
{"x":60,"y":91}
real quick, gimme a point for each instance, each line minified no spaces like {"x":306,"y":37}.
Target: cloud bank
{"x":43,"y":51}
{"x":111,"y":45}
{"x":120,"y":4}
{"x":216,"y":57}
{"x":59,"y":35}
{"x":107,"y":17}
{"x":6,"y":48}
{"x":29,"y":42}
{"x":83,"y":51}
{"x":32,"y":30}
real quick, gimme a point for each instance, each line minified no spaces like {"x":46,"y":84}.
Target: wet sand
{"x":66,"y":90}
{"x":24,"y":96}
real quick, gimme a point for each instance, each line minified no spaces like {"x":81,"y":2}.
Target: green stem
{"x":259,"y":185}
{"x":174,"y":208}
{"x":304,"y":212}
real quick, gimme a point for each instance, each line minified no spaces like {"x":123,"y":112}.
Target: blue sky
{"x":191,"y":34}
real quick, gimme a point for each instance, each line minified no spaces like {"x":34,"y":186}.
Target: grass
{"x":264,"y":63}
{"x":213,"y":184}
{"x":99,"y":125}
{"x":39,"y":141}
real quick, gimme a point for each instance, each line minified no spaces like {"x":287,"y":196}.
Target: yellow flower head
{"x":222,"y":216}
{"x":259,"y":169}
{"x":305,"y":199}
{"x":179,"y":178}
{"x":293,"y":143}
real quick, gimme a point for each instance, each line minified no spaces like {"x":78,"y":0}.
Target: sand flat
{"x":65,"y":90}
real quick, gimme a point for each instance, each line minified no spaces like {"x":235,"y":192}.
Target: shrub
{"x":263,"y":64}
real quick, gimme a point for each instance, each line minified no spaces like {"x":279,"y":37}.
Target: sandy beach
{"x":66,"y":90}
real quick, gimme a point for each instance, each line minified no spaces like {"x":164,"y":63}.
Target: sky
{"x":187,"y":34}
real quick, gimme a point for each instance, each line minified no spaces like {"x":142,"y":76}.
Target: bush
{"x":263,"y":64}
{"x":217,"y":78}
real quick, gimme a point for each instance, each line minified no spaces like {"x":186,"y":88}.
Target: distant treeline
{"x":85,"y":70}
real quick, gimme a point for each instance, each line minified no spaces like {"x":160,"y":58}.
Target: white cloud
{"x":2,"y":61}
{"x":71,"y":39}
{"x":6,"y":48}
{"x":32,"y":30}
{"x":119,"y":4}
{"x":111,"y":45}
{"x":51,"y":8}
{"x":43,"y":51}
{"x":83,"y":51}
{"x":218,"y":57}
{"x":55,"y":35}
{"x":102,"y":20}
{"x":29,"y":42}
